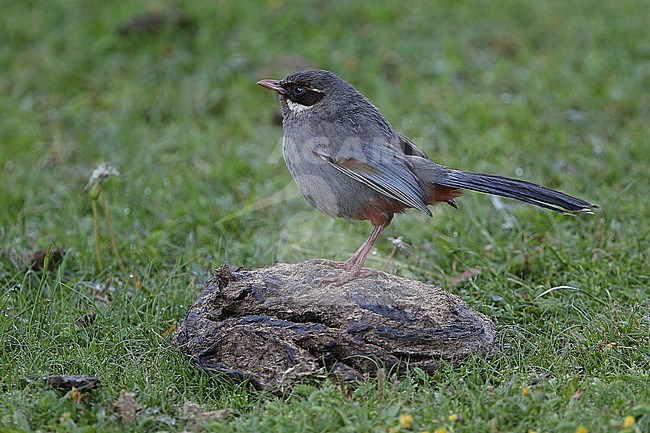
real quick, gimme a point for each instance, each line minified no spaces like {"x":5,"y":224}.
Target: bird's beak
{"x":273,"y":85}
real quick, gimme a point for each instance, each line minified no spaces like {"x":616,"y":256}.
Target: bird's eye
{"x":299,"y":90}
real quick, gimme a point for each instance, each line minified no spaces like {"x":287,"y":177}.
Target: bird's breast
{"x":326,"y":188}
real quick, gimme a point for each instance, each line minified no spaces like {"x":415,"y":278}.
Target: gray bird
{"x":349,"y":162}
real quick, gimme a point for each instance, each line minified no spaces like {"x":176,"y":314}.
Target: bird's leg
{"x":353,"y":267}
{"x":355,"y":263}
{"x":359,"y":257}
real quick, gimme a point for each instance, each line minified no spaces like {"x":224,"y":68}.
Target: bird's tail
{"x":516,"y":189}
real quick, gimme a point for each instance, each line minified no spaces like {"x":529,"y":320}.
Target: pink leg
{"x":354,"y":264}
{"x":358,"y":259}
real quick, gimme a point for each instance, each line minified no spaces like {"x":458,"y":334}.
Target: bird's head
{"x":309,"y":91}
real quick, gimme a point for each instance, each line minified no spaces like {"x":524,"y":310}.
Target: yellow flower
{"x":628,"y":422}
{"x":405,"y":420}
{"x":524,"y":391}
{"x":582,"y":429}
{"x":440,"y":430}
{"x":75,"y":395}
{"x":453,"y":417}
{"x":532,"y":431}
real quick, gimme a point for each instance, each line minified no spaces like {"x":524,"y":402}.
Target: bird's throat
{"x":297,"y":108}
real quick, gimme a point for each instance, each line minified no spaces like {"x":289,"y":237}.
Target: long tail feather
{"x":526,"y":192}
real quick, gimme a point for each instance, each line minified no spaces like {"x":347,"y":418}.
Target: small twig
{"x":381,"y":384}
{"x":98,"y":255}
{"x":345,"y":392}
{"x":398,"y":245}
{"x":99,"y":175}
{"x":111,"y":232}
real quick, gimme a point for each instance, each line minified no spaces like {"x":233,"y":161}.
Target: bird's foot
{"x":331,"y":263}
{"x":350,"y":270}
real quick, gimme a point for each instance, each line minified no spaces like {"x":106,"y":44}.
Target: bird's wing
{"x":409,"y":148}
{"x":387,"y":174}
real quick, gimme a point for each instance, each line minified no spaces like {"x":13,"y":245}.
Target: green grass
{"x":553,"y":92}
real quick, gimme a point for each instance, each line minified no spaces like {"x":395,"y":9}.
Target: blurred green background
{"x":552,"y":92}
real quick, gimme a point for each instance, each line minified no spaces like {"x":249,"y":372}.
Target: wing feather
{"x":402,"y":187}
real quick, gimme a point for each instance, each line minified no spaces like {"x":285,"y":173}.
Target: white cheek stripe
{"x":297,"y":108}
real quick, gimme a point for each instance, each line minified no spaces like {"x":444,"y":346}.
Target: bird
{"x":349,"y":162}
